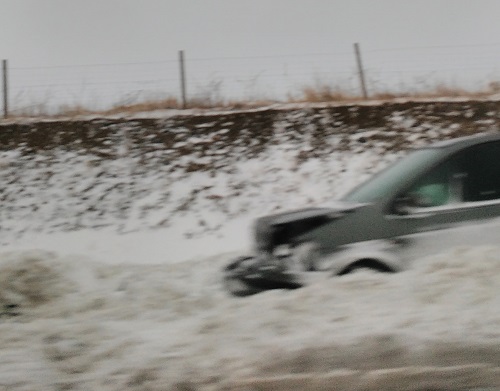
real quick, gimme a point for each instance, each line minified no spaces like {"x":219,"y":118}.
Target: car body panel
{"x":436,"y":198}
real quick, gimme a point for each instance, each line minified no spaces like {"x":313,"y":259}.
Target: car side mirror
{"x":407,"y":203}
{"x":402,"y":205}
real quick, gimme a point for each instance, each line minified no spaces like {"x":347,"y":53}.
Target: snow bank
{"x":154,"y":213}
{"x":123,"y":289}
{"x":79,"y":324}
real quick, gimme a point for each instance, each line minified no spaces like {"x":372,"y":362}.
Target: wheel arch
{"x":377,"y":254}
{"x":367,"y":263}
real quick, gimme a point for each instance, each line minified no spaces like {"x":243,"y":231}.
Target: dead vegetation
{"x":117,"y":164}
{"x":316,"y":93}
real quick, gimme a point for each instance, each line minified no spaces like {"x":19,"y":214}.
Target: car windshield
{"x":383,"y":183}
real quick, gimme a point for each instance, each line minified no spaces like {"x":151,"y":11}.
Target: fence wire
{"x":219,"y":80}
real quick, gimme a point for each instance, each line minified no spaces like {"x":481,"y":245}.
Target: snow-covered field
{"x":110,"y":280}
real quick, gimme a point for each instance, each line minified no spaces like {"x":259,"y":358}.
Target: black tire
{"x":367,"y":264}
{"x":242,"y":280}
{"x":233,"y":281}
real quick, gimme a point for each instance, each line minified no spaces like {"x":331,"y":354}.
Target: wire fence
{"x":219,"y":80}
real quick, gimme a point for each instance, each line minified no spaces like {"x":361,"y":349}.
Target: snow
{"x":106,"y":326}
{"x":110,"y":280}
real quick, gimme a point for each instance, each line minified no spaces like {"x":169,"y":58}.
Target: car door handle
{"x":435,"y":227}
{"x":419,"y":215}
{"x":401,"y":241}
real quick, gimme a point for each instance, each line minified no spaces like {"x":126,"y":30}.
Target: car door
{"x":456,"y":203}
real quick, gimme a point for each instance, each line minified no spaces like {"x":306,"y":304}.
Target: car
{"x":434,"y":198}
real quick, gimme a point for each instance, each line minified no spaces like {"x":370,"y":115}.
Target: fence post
{"x":5,"y":90}
{"x":183,"y":78}
{"x":361,"y":71}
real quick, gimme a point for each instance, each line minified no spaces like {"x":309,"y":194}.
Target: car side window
{"x":483,"y":180}
{"x":472,"y":175}
{"x":437,"y":187}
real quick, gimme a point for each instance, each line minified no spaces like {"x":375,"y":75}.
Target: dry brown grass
{"x":149,"y":105}
{"x":195,"y":103}
{"x":319,"y":92}
{"x":316,"y":93}
{"x":73,"y":111}
{"x":325,"y":93}
{"x":443,"y":90}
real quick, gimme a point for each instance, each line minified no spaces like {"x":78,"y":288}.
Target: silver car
{"x":434,"y":198}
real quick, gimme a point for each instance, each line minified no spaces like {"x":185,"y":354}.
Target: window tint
{"x":483,"y":172}
{"x":471,"y":175}
{"x":439,"y":186}
{"x":387,"y":180}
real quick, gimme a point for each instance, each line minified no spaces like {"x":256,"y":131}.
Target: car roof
{"x":467,"y":141}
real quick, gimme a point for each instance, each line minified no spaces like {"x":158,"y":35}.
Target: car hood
{"x":327,"y":212}
{"x":282,"y":228}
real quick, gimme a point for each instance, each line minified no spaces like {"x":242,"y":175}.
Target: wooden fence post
{"x":361,"y":71}
{"x":183,"y":78}
{"x":5,"y":90}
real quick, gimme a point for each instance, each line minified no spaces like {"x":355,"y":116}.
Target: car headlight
{"x":307,"y":254}
{"x":298,"y":258}
{"x":283,"y":251}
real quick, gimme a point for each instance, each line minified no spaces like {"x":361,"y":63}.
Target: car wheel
{"x":233,"y":281}
{"x":365,"y":264}
{"x":243,"y":277}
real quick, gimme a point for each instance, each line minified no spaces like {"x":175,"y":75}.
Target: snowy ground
{"x":110,"y":280}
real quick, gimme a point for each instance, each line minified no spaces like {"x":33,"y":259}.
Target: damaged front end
{"x":283,"y":253}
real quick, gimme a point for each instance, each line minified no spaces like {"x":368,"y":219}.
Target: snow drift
{"x":112,"y":249}
{"x":71,"y":322}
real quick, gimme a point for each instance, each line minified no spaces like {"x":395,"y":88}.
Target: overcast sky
{"x":43,"y":32}
{"x":75,"y":32}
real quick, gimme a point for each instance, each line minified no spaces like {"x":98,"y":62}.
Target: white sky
{"x":58,"y":32}
{"x":38,"y":33}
